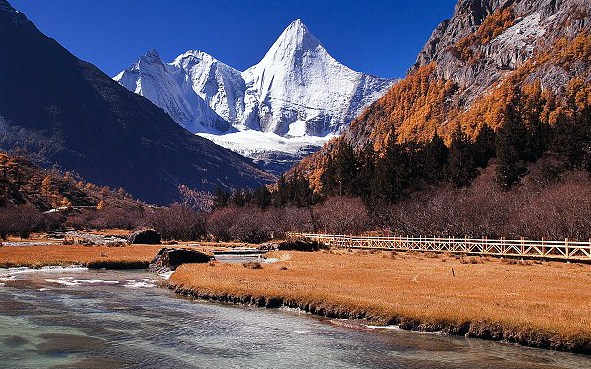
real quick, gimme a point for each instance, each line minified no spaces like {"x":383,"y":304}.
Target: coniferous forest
{"x":529,"y":178}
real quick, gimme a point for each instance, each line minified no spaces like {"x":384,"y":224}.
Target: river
{"x":120,"y":319}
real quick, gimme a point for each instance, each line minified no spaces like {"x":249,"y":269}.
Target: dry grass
{"x":550,"y":301}
{"x":95,"y":255}
{"x":107,"y":256}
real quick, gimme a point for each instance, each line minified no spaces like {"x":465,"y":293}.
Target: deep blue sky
{"x":381,"y":37}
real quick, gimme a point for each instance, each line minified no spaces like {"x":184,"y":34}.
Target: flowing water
{"x":110,"y":319}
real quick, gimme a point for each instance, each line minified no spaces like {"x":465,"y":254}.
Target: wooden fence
{"x":544,"y":249}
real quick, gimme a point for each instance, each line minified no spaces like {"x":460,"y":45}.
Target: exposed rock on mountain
{"x":66,"y":112}
{"x":481,"y":68}
{"x":486,"y":39}
{"x":469,"y":57}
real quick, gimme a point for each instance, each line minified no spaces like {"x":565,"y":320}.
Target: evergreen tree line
{"x":399,"y":169}
{"x":293,"y":191}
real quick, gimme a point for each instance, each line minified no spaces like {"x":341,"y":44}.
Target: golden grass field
{"x":123,"y":255}
{"x":525,"y":302}
{"x":38,"y":256}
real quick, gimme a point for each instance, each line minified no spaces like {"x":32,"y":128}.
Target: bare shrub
{"x":111,"y":217}
{"x":248,"y":226}
{"x":20,"y":220}
{"x":342,"y":215}
{"x":108,"y":217}
{"x":292,"y":218}
{"x":219,"y":223}
{"x":178,"y":222}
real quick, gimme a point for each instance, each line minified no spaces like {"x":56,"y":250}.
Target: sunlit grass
{"x":550,"y":301}
{"x":44,"y":255}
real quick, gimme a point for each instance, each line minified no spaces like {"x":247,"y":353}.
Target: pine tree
{"x":435,"y":155}
{"x":509,"y":166}
{"x":345,"y":169}
{"x":262,"y":197}
{"x":220,"y":198}
{"x":281,"y":195}
{"x":362,"y":186}
{"x":567,"y":142}
{"x":461,"y":167}
{"x":328,"y":178}
{"x":238,"y":198}
{"x":484,"y":146}
{"x":391,"y":175}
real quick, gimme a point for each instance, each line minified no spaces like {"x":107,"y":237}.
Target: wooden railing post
{"x":566,"y":248}
{"x":543,"y":246}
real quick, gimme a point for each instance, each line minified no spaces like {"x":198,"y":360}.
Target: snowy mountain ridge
{"x":297,"y":90}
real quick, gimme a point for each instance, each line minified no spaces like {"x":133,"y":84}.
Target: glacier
{"x":277,"y":111}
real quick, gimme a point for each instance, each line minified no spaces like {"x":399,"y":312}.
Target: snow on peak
{"x":297,"y":90}
{"x":302,"y":90}
{"x":152,"y":55}
{"x":296,"y":37}
{"x":193,"y":57}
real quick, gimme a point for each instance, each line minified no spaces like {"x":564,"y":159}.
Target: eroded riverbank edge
{"x":487,"y":330}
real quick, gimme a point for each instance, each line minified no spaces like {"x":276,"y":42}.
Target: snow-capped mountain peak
{"x":152,"y":56}
{"x":297,"y":89}
{"x":295,"y":38}
{"x":302,"y":90}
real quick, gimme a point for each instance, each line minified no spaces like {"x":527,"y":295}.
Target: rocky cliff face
{"x":530,"y":24}
{"x":472,"y":69}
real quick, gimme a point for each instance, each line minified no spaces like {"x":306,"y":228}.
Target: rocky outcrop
{"x":145,"y":237}
{"x":534,"y":23}
{"x":308,"y":246}
{"x":169,"y":259}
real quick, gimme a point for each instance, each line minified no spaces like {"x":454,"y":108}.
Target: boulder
{"x":300,"y":246}
{"x":145,"y":237}
{"x":169,"y":259}
{"x":252,"y":265}
{"x":268,"y":246}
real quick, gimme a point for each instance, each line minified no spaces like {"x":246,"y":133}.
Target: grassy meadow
{"x":540,"y":304}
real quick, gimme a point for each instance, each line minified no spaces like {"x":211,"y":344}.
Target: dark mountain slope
{"x":22,"y":182}
{"x":66,"y":112}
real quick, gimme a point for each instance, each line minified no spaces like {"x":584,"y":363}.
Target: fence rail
{"x":535,"y":249}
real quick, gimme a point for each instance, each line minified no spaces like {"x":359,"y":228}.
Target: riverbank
{"x":539,"y":304}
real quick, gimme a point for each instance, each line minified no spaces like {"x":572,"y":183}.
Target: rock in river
{"x":145,"y":237}
{"x":170,"y":259}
